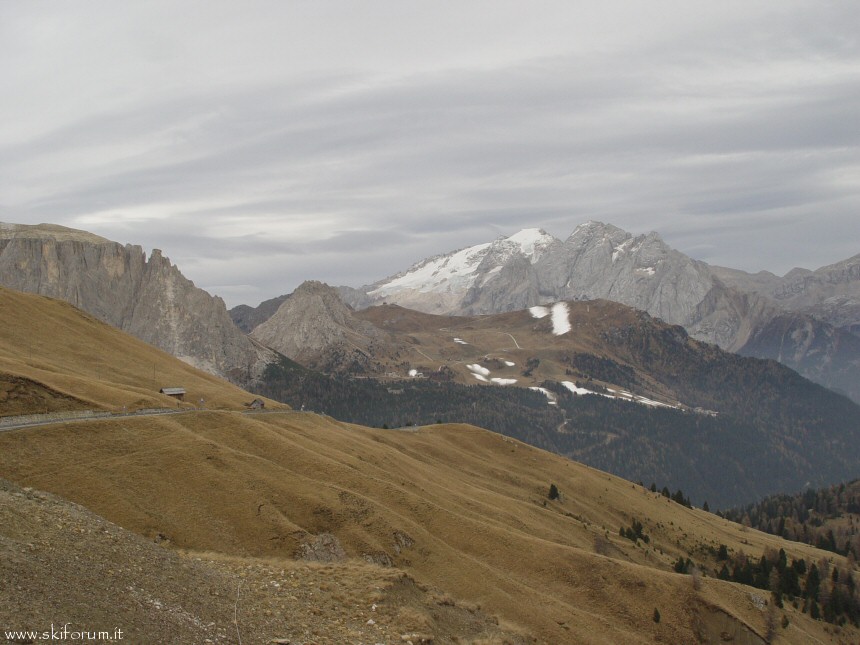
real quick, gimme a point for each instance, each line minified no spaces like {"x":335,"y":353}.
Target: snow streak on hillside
{"x":560,"y":313}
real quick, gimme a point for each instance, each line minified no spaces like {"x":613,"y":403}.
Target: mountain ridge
{"x":147,"y":297}
{"x":580,"y":374}
{"x":728,"y":307}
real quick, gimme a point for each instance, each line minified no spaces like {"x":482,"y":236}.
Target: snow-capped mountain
{"x":727,"y":307}
{"x":532,"y":267}
{"x":439,"y":284}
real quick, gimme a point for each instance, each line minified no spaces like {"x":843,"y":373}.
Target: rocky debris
{"x":324,"y":547}
{"x":146,"y":297}
{"x":60,"y":563}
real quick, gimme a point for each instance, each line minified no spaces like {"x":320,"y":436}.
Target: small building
{"x":177,"y":393}
{"x":257,"y":404}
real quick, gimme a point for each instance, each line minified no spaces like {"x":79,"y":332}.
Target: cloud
{"x":294,"y":141}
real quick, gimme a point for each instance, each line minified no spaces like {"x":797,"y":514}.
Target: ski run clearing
{"x":560,"y":316}
{"x":615,"y":394}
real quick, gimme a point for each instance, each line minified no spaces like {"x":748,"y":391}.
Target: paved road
{"x":121,"y":415}
{"x":89,"y":417}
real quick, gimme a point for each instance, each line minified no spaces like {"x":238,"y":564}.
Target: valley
{"x":595,"y":381}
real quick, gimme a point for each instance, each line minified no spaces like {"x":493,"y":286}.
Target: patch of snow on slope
{"x":480,"y":378}
{"x":442,"y":273}
{"x":625,"y":396}
{"x":413,"y":373}
{"x":647,"y":271}
{"x":576,"y":390}
{"x":490,"y":274}
{"x":543,"y":391}
{"x":532,"y":242}
{"x":478,"y":369}
{"x":621,"y":248}
{"x":539,"y":312}
{"x":560,"y":318}
{"x":653,"y":404}
{"x":510,"y":363}
{"x":504,"y":381}
{"x":460,"y":341}
{"x":549,"y":395}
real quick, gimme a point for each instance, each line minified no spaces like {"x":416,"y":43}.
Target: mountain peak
{"x":531,"y":242}
{"x":315,"y":287}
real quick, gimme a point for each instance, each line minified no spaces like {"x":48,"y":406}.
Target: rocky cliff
{"x":315,"y":327}
{"x":830,"y":294}
{"x":147,"y":297}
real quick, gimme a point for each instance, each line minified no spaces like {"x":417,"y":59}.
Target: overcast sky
{"x":260,"y":144}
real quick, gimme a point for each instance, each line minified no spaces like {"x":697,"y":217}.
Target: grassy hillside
{"x":64,"y":564}
{"x":455,"y":506}
{"x":465,"y":513}
{"x":54,"y":357}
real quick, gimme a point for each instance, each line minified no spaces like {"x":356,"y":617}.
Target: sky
{"x":261,"y":144}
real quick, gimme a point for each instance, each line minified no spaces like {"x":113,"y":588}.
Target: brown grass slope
{"x":55,"y":357}
{"x":455,"y":506}
{"x":61,"y":564}
{"x":426,"y":342}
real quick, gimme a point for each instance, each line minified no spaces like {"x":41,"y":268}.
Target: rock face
{"x":830,"y":294}
{"x":148,"y":298}
{"x":247,"y":318}
{"x":314,"y":327}
{"x":823,"y":353}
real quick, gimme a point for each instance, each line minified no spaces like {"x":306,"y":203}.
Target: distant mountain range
{"x":808,"y":320}
{"x":768,"y":434}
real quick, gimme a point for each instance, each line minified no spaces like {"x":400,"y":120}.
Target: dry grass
{"x":61,"y":564}
{"x":457,"y":507}
{"x":62,"y":349}
{"x":472,"y":502}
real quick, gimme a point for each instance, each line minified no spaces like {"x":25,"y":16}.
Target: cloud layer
{"x":344,"y":141}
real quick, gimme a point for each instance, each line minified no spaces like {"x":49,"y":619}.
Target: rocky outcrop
{"x":602,"y":261}
{"x":830,"y":294}
{"x":247,"y":318}
{"x":314,"y":327}
{"x":146,"y":297}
